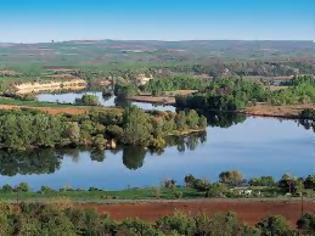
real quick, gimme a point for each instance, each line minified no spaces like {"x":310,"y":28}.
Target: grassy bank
{"x":101,"y":195}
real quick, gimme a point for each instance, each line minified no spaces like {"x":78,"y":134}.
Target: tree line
{"x":230,"y":94}
{"x":26,"y":129}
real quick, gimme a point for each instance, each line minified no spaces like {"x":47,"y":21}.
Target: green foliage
{"x":137,"y":127}
{"x":60,"y":219}
{"x":179,"y":222}
{"x":309,"y":182}
{"x":291,"y":184}
{"x":20,"y":130}
{"x":225,"y":95}
{"x":179,"y":82}
{"x":88,"y":100}
{"x":125,"y":90}
{"x":267,"y":181}
{"x":301,"y":90}
{"x":232,"y":178}
{"x":274,"y":225}
{"x":306,"y":224}
{"x":230,"y":94}
{"x":23,"y":187}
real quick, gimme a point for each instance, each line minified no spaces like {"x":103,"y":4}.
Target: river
{"x":254,"y":146}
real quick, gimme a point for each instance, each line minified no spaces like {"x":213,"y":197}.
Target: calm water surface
{"x":71,"y":97}
{"x":256,"y":147}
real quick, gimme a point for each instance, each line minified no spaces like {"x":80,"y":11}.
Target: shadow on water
{"x":45,"y":161}
{"x":307,"y":124}
{"x":224,"y":119}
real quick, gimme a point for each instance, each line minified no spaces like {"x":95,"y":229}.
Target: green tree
{"x":306,"y":224}
{"x":274,"y":225}
{"x":137,"y":127}
{"x":88,"y":100}
{"x":178,"y":222}
{"x":23,"y":187}
{"x":232,"y":178}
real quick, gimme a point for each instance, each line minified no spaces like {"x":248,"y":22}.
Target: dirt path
{"x":249,"y":211}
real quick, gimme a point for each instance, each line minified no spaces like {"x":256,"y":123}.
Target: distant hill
{"x":149,"y":51}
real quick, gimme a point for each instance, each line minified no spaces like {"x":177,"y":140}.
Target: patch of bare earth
{"x":71,"y":110}
{"x":49,"y":110}
{"x":286,"y":111}
{"x":248,"y":211}
{"x":166,"y":100}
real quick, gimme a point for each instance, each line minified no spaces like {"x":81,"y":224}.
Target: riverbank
{"x":38,"y":87}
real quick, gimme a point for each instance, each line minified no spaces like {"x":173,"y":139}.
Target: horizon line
{"x":158,"y":40}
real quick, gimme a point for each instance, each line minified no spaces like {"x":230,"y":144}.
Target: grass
{"x":100,"y":195}
{"x":18,"y":102}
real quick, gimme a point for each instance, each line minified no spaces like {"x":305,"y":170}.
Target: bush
{"x":88,"y":100}
{"x":7,"y":188}
{"x":306,"y":224}
{"x":231,"y":178}
{"x":266,"y":181}
{"x":23,"y":187}
{"x":178,"y":222}
{"x":169,"y":183}
{"x":274,"y":225}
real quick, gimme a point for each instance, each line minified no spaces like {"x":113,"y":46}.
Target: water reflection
{"x":44,"y":161}
{"x":106,"y":101}
{"x":307,"y":124}
{"x":47,"y":161}
{"x":224,"y":119}
{"x":133,"y":157}
{"x":189,"y":142}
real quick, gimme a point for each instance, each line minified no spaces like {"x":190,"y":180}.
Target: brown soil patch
{"x":289,"y":111}
{"x":72,"y":110}
{"x":166,"y":100}
{"x":248,"y":211}
{"x":49,"y":110}
{"x":183,"y":92}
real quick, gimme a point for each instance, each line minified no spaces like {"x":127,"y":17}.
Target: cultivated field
{"x":249,"y":211}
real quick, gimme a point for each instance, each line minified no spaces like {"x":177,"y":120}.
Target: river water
{"x":104,"y":101}
{"x":254,"y":146}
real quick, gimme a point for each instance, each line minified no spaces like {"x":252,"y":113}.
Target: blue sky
{"x":46,"y":20}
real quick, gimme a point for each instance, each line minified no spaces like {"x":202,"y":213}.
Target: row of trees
{"x":62,"y":219}
{"x":225,"y":95}
{"x":235,"y":94}
{"x":133,"y":126}
{"x":179,"y":82}
{"x":230,"y":179}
